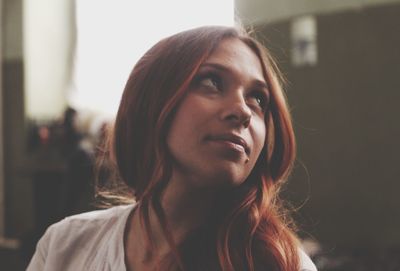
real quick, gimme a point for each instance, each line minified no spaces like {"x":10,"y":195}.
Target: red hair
{"x":250,"y":230}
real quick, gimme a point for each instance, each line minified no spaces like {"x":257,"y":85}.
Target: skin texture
{"x":227,"y":99}
{"x":222,"y":101}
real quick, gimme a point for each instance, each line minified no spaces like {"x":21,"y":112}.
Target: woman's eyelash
{"x":209,"y":80}
{"x":261,"y":99}
{"x":214,"y":81}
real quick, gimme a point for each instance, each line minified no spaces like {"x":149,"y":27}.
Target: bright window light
{"x":114,"y":34}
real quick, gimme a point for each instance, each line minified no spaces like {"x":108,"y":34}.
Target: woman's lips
{"x":232,"y":141}
{"x":232,"y":145}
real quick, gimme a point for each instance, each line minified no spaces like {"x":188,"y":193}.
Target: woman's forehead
{"x":237,"y":57}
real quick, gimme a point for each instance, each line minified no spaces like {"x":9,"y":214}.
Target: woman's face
{"x":219,"y":129}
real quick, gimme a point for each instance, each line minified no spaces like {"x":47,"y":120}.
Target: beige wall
{"x":267,"y":11}
{"x":48,"y":39}
{"x":17,"y":188}
{"x":12,"y":29}
{"x":40,"y":33}
{"x":2,"y":201}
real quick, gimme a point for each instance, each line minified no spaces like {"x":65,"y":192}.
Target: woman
{"x":203,"y":142}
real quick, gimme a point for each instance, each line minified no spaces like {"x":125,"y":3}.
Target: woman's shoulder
{"x":306,"y":263}
{"x":89,"y":224}
{"x":82,"y":237}
{"x":96,"y":217}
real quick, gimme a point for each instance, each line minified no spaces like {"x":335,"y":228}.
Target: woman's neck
{"x":185,"y":208}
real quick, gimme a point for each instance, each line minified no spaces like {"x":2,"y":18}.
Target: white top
{"x":93,"y":241}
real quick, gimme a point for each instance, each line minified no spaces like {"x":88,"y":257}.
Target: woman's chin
{"x":224,"y":177}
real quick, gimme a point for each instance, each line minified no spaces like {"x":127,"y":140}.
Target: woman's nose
{"x":236,"y":111}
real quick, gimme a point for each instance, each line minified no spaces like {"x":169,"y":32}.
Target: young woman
{"x":201,"y":144}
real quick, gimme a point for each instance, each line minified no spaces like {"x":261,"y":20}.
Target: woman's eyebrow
{"x":216,"y":66}
{"x":261,"y":85}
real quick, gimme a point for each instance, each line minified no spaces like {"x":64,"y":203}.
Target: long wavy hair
{"x":250,"y":229}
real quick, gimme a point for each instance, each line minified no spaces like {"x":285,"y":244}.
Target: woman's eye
{"x":260,"y":99}
{"x":210,"y":81}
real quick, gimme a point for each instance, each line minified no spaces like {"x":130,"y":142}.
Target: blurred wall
{"x":37,"y":48}
{"x":263,"y":11}
{"x":18,"y":188}
{"x":2,"y":200}
{"x":346,"y":118}
{"x":48,"y":42}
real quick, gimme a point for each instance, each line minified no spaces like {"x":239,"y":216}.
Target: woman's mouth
{"x":231,"y":141}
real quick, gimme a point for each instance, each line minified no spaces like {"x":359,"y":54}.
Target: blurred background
{"x":64,"y":65}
